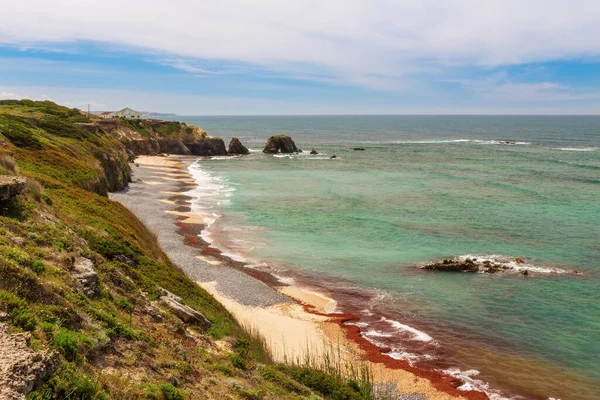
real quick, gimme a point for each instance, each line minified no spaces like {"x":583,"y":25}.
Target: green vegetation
{"x":120,"y":342}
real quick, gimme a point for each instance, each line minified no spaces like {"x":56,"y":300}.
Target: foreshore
{"x":295,"y":322}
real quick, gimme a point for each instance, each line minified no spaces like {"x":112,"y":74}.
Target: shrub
{"x":164,"y":392}
{"x":22,"y":318}
{"x":35,"y":189}
{"x":38,"y":266}
{"x":124,"y":305}
{"x":238,"y":361}
{"x":47,"y":199}
{"x":19,"y":132}
{"x":68,"y":383}
{"x":60,"y":127}
{"x":8,"y":164}
{"x":67,"y":344}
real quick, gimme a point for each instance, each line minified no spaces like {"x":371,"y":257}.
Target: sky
{"x":273,"y":57}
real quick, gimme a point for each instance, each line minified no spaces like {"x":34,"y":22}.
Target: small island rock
{"x":236,"y":147}
{"x":313,"y":151}
{"x":280,"y":144}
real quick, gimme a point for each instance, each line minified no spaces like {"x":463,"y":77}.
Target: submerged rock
{"x":11,"y":186}
{"x":22,"y":369}
{"x":280,"y":144}
{"x":359,"y":149}
{"x":185,"y":313}
{"x":236,"y":147}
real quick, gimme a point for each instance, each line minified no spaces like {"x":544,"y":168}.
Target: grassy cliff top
{"x":116,"y":340}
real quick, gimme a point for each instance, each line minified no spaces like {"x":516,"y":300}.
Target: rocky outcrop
{"x":474,"y":265}
{"x":467,"y":265}
{"x":208,"y":146}
{"x":185,"y":313}
{"x":22,"y":369}
{"x":236,"y":147}
{"x":280,"y":144}
{"x":11,"y":186}
{"x":173,"y":147}
{"x":116,"y":170}
{"x":314,"y":152}
{"x":153,"y":137}
{"x":85,"y":275}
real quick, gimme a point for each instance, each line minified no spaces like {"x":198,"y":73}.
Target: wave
{"x":512,"y":263}
{"x":471,"y":383}
{"x":452,"y":141}
{"x":577,"y":148}
{"x":416,"y":334}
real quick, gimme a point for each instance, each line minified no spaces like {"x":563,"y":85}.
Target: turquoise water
{"x":425,"y":189}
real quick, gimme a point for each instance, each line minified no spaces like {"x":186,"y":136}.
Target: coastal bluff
{"x":153,"y":137}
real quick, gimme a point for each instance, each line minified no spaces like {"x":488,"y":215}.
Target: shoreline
{"x":296,"y":322}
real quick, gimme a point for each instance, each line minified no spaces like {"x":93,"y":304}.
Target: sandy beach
{"x":296,"y":322}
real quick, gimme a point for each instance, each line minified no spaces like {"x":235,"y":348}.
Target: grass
{"x":149,"y":352}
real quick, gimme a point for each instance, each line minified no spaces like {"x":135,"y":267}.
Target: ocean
{"x":428,"y":188}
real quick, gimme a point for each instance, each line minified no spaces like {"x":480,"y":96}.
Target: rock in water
{"x":85,"y":275}
{"x":236,"y":147}
{"x":11,"y":186}
{"x":453,"y":266}
{"x":208,"y":146}
{"x":280,"y":144}
{"x":314,"y":152}
{"x":22,"y":369}
{"x":332,"y":157}
{"x":359,"y":149}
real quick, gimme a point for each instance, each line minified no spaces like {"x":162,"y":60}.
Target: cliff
{"x":152,"y":137}
{"x":90,"y":305}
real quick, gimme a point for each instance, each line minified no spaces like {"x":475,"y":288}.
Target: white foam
{"x":578,"y":148}
{"x":470,"y":383}
{"x":475,"y":141}
{"x":512,"y":264}
{"x":398,"y":354}
{"x":416,"y":334}
{"x":376,"y":333}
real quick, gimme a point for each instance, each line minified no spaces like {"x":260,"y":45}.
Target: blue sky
{"x":306,"y":57}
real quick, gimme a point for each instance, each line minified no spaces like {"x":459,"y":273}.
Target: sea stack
{"x":280,"y":144}
{"x":236,"y":147}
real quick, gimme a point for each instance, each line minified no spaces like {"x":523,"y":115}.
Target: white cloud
{"x":373,"y":43}
{"x":9,"y":96}
{"x":499,"y":87}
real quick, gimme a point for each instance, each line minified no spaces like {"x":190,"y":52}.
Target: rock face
{"x":22,"y":369}
{"x":280,"y":144}
{"x":173,"y":147}
{"x":85,"y":275}
{"x":208,"y":146}
{"x":236,"y":147}
{"x":185,"y":313}
{"x":11,"y":186}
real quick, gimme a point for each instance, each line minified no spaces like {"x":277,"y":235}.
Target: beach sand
{"x":296,"y":322}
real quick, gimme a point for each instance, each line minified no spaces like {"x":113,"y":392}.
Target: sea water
{"x":424,"y":189}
